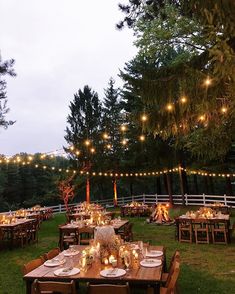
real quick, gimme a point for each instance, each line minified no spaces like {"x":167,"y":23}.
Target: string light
{"x":169,"y":107}
{"x":77,"y":152}
{"x":108,"y":146}
{"x":207,"y":82}
{"x":123,"y":128}
{"x":92,"y":150}
{"x":87,"y":142}
{"x":142,"y":138}
{"x":183,"y":99}
{"x":144,"y":117}
{"x":105,"y":136}
{"x":202,"y":118}
{"x":124,"y":142}
{"x":224,"y":109}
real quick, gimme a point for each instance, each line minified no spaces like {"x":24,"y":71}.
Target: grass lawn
{"x":205,"y":268}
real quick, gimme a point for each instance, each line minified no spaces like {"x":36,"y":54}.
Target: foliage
{"x":84,"y":123}
{"x":66,"y":190}
{"x":180,"y":44}
{"x":6,"y":68}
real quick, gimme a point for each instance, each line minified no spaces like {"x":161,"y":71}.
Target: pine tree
{"x":6,"y":68}
{"x":113,"y":118}
{"x":83,"y":130}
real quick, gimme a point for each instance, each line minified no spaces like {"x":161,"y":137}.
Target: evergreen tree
{"x":113,"y":118}
{"x":83,"y":130}
{"x":6,"y":68}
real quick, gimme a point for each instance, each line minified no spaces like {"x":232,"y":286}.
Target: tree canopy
{"x":184,"y":71}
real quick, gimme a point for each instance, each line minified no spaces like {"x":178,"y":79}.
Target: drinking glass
{"x":127,"y":261}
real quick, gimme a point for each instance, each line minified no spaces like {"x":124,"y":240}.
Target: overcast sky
{"x":59,"y":46}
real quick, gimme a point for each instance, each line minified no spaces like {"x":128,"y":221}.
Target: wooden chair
{"x":170,"y":286}
{"x":108,"y":288}
{"x":185,"y":231}
{"x":127,"y":234}
{"x":201,"y":231}
{"x":220,"y":232}
{"x":20,"y":234}
{"x":48,"y":287}
{"x":31,"y":265}
{"x":85,"y":235}
{"x":52,"y":253}
{"x":68,"y":236}
{"x":175,"y":257}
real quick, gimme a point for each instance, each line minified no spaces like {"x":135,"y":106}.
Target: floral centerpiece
{"x":109,"y":242}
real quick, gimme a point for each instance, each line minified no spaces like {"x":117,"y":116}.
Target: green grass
{"x":205,"y":268}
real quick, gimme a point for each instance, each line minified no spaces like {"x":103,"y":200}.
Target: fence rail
{"x":192,"y":200}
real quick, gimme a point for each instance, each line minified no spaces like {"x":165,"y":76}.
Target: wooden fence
{"x":201,"y":200}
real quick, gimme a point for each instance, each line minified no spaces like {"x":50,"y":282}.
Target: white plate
{"x":52,"y":263}
{"x":151,"y":262}
{"x":154,"y":253}
{"x":113,"y":273}
{"x":60,"y":272}
{"x":70,"y":253}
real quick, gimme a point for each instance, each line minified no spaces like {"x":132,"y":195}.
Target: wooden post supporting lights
{"x":115,"y":192}
{"x":87,"y":190}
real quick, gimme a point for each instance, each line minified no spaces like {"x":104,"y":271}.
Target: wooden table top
{"x":19,"y":222}
{"x":201,"y":219}
{"x":115,"y":224}
{"x":140,"y":275}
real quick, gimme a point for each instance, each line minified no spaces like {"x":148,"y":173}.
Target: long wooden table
{"x":10,"y":228}
{"x":117,"y":225}
{"x":141,"y":275}
{"x":210,"y":221}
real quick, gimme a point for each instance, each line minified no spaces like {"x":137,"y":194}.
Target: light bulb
{"x":105,"y":136}
{"x":224,"y":109}
{"x":183,"y":99}
{"x":123,"y":128}
{"x":169,"y":107}
{"x":142,"y":138}
{"x":87,"y":142}
{"x":144,"y":117}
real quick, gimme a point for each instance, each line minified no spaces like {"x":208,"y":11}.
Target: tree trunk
{"x":229,"y":188}
{"x":131,"y":187}
{"x":159,"y":188}
{"x":169,"y":188}
{"x":206,"y":188}
{"x":211,"y":184}
{"x":196,"y":191}
{"x":165,"y":184}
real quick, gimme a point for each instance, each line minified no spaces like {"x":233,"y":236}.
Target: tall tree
{"x":6,"y":68}
{"x":83,"y":130}
{"x":113,"y":118}
{"x":185,"y":105}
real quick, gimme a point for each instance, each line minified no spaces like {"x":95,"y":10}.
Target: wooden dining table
{"x":135,"y":276}
{"x":9,"y":229}
{"x":116,"y":224}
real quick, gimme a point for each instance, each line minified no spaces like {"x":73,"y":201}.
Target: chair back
{"x":40,"y":287}
{"x":108,"y":288}
{"x":175,"y":258}
{"x":51,"y":254}
{"x":31,"y":265}
{"x":172,"y":278}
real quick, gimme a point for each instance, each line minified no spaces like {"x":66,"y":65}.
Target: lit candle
{"x":114,"y":262}
{"x":106,"y":262}
{"x":111,"y":258}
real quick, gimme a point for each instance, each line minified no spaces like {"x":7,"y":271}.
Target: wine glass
{"x":127,"y":261}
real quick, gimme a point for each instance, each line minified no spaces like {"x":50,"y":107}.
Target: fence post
{"x":225,"y":199}
{"x":156,"y":200}
{"x":204,"y":199}
{"x":144,"y":198}
{"x":60,"y":210}
{"x":122,"y":200}
{"x":186,"y":199}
